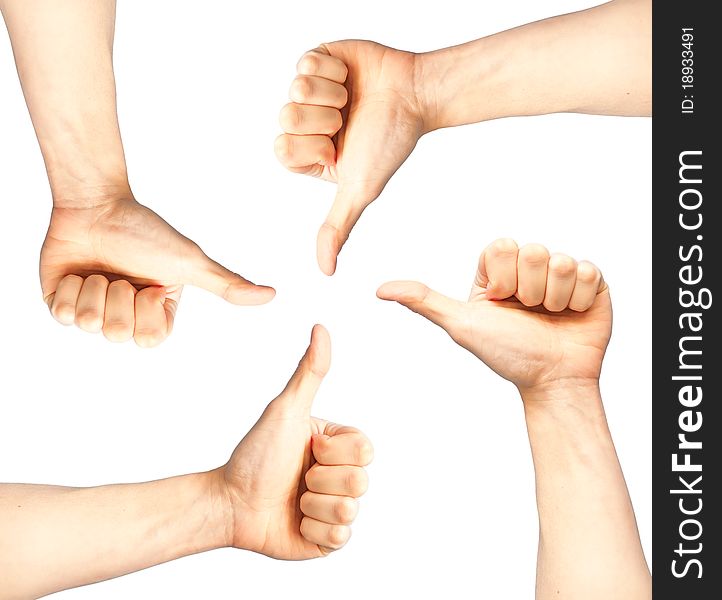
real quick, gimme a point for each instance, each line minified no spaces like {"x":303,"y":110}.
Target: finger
{"x":497,"y":267}
{"x":90,"y":309}
{"x":308,"y":89}
{"x":170,"y":305}
{"x":344,"y":480}
{"x":587,"y":286}
{"x":304,"y":383}
{"x":214,"y":277}
{"x":447,"y":313}
{"x":349,"y":448}
{"x":296,"y":152}
{"x":333,"y":234}
{"x":65,"y":299}
{"x":339,"y":510}
{"x":561,"y":276}
{"x":119,"y":322}
{"x":532,"y":269}
{"x":330,"y":537}
{"x":319,"y":63}
{"x":305,"y":119}
{"x":151,"y":323}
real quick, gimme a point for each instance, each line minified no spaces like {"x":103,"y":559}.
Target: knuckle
{"x":310,"y":478}
{"x":336,"y":123}
{"x":327,"y":151}
{"x":304,"y":502}
{"x":534,"y":254}
{"x":63,"y":312}
{"x":290,"y":117}
{"x":303,"y":528}
{"x":357,"y":482}
{"x":149,"y":296}
{"x":344,"y":95}
{"x":503,"y":247}
{"x":308,"y":64}
{"x":301,"y":89}
{"x":530,"y":299}
{"x":122,"y":285}
{"x":320,"y":448}
{"x":338,"y":535}
{"x":88,"y":320}
{"x":345,"y":510}
{"x":308,"y":530}
{"x":72,"y":278}
{"x":418,"y":293}
{"x":562,"y":265}
{"x":577,"y":306}
{"x":283,"y":147}
{"x":344,"y":69}
{"x":553,"y":306}
{"x":118,"y":331}
{"x":364,"y":452}
{"x":587,"y":272}
{"x":96,"y":279}
{"x":505,"y":287}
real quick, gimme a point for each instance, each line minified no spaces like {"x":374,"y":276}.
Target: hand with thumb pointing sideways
{"x":536,"y":319}
{"x":115,"y":265}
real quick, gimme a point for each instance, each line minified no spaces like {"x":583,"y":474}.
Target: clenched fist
{"x":289,"y":490}
{"x":353,"y":119}
{"x":536,"y":319}
{"x":115,"y":266}
{"x":293,"y":480}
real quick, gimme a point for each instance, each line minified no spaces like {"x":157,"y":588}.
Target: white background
{"x":450,"y":512}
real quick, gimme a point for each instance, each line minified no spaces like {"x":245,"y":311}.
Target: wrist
{"x":560,"y":389}
{"x":564,"y":403}
{"x":173,"y":517}
{"x":84,"y":161}
{"x":426,"y":90}
{"x":89,"y":193}
{"x":454,"y":86}
{"x":220,"y":508}
{"x":430,"y":70}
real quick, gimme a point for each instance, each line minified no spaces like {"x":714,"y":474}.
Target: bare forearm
{"x":589,"y":545}
{"x":595,"y":61}
{"x":63,"y":51}
{"x":54,"y":538}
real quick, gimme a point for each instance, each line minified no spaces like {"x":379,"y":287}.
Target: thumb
{"x":447,"y":313}
{"x":301,"y":389}
{"x":345,"y":212}
{"x":214,"y":277}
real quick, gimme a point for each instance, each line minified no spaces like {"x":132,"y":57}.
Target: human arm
{"x":543,"y":322}
{"x":358,"y":108}
{"x":595,"y":61}
{"x":588,"y":539}
{"x":54,"y":538}
{"x":288,"y":491}
{"x":138,"y":262}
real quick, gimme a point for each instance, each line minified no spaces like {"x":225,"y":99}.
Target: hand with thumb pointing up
{"x":291,"y":485}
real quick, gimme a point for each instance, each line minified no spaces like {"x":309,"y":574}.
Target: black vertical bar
{"x":686,"y":130}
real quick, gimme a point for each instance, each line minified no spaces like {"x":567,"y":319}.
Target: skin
{"x":358,"y":108}
{"x":543,"y":322}
{"x":108,"y":263}
{"x":289,"y":491}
